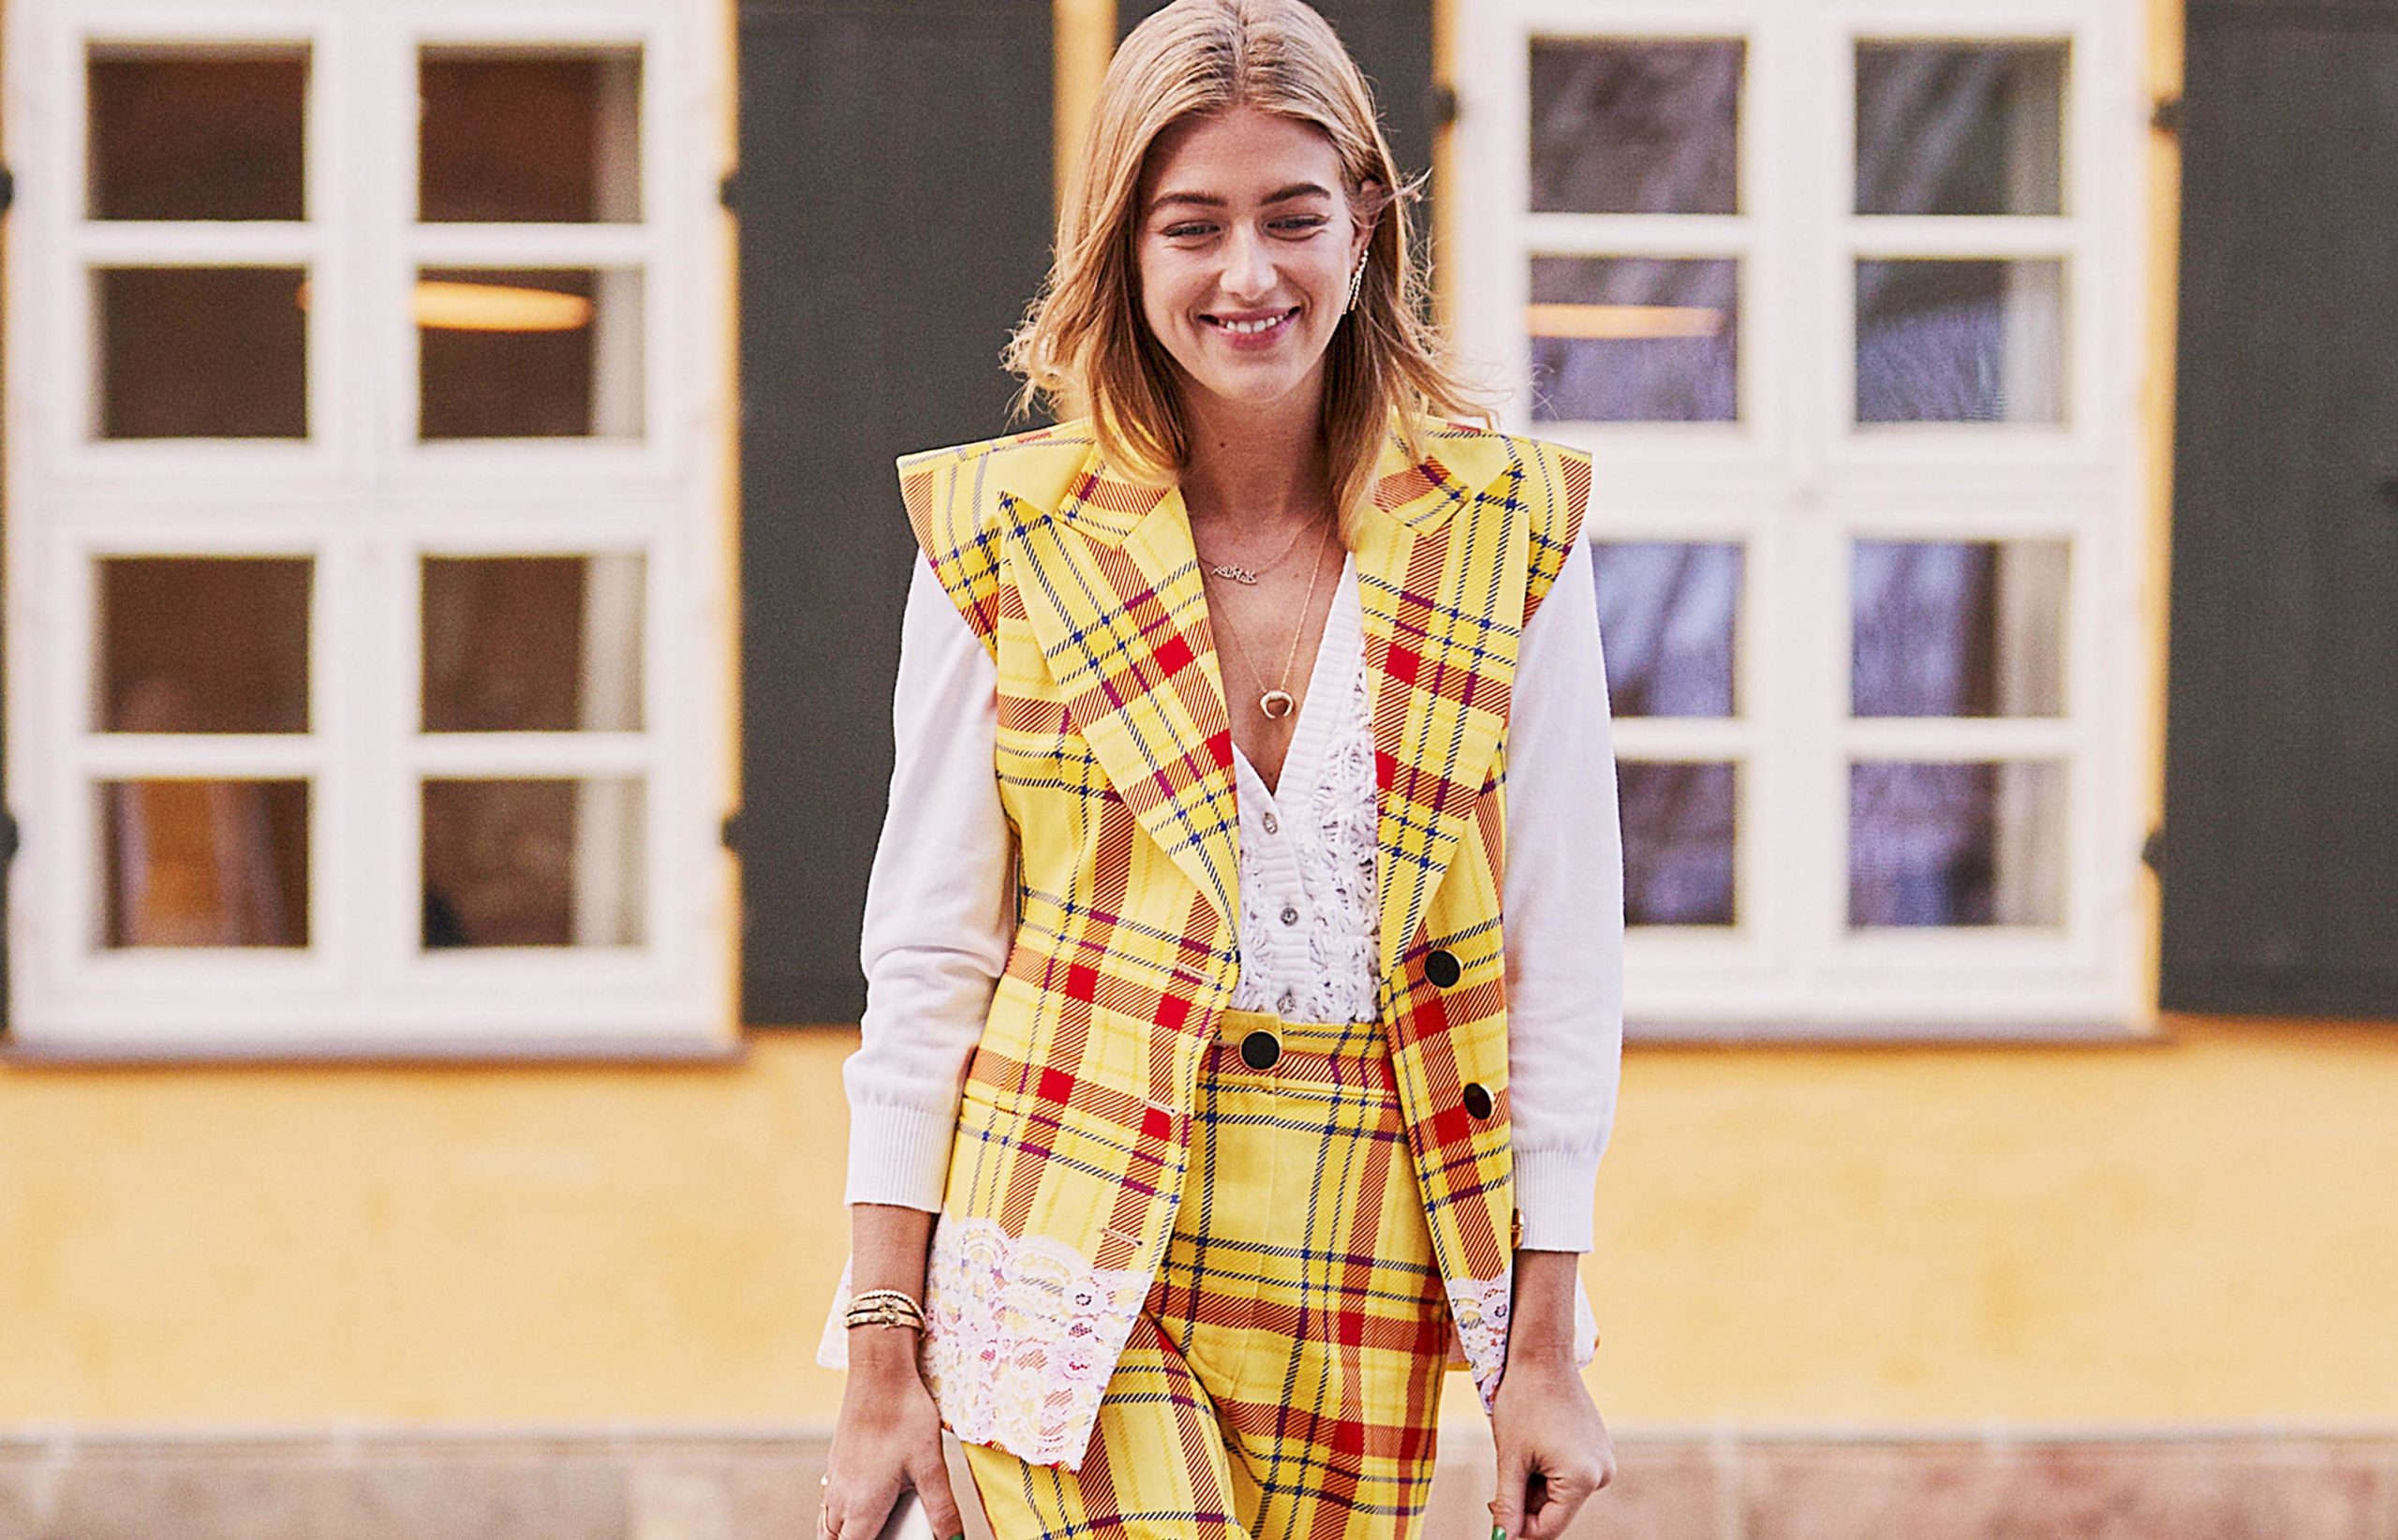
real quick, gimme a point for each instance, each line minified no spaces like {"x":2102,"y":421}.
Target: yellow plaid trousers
{"x":1283,"y":1378}
{"x":1114,"y":759}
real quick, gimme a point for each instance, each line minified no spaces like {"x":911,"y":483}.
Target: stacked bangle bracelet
{"x":885,"y":1308}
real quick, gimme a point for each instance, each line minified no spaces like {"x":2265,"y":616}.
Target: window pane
{"x":202,"y":352}
{"x":1949,"y":127}
{"x":202,"y":644}
{"x":1961,"y":844}
{"x":529,"y":353}
{"x":204,"y":863}
{"x":1678,"y":837}
{"x":533,"y":862}
{"x":1959,"y":341}
{"x":1667,"y":613}
{"x":1634,"y":339}
{"x":1957,"y":628}
{"x":532,"y":644}
{"x":191,"y":133}
{"x":1621,"y":125}
{"x":534,"y":136}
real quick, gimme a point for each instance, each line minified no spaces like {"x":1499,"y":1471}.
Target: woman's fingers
{"x":1507,"y":1508}
{"x":930,"y":1478}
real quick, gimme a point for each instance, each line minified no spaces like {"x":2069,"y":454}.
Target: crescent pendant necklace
{"x":1277,"y":701}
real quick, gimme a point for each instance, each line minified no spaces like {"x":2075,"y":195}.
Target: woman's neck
{"x":1253,"y":465}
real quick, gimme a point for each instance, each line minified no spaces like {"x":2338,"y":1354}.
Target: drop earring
{"x":1356,"y":280}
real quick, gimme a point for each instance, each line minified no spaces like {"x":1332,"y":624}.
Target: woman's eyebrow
{"x":1209,"y":200}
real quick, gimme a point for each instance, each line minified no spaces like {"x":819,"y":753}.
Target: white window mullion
{"x":364,"y":503}
{"x":1821,"y":502}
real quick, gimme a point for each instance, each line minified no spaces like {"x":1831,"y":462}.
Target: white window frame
{"x":1793,"y":482}
{"x":365,"y":501}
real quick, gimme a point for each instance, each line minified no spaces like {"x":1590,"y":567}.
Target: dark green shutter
{"x":2280,"y":850}
{"x":894,"y":202}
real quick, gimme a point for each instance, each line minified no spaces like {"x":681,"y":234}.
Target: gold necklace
{"x":1278,"y":702}
{"x":1238,"y":573}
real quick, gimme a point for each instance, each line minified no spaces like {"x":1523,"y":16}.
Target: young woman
{"x":1207,"y":1107}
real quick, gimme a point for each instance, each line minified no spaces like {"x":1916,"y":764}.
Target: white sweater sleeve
{"x":937,"y":909}
{"x":1563,"y":908}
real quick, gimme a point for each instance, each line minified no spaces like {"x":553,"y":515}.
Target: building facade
{"x":453,"y":577}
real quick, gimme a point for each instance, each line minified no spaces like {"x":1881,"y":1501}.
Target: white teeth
{"x":1250,"y":327}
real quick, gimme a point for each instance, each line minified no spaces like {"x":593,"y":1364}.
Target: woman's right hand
{"x":888,"y":1437}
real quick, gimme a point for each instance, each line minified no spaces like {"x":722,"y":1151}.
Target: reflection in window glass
{"x":201,"y":352}
{"x":1957,"y":628}
{"x":1626,"y":126}
{"x":189,"y":132}
{"x":204,"y":863}
{"x":1678,"y":842}
{"x":1957,"y":127}
{"x":532,"y":644}
{"x":1668,"y":616}
{"x":1959,"y":341}
{"x":532,"y":135}
{"x":529,"y":353}
{"x":546,"y":862}
{"x":1634,"y":339}
{"x":1956,"y":844}
{"x":202,"y":644}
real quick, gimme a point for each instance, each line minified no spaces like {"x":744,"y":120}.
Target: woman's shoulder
{"x":1508,"y":451}
{"x":1549,"y":479}
{"x":1065,"y":443}
{"x":952,"y":491}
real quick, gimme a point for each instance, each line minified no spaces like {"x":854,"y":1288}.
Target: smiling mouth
{"x":1259,"y":326}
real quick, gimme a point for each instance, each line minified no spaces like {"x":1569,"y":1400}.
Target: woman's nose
{"x":1248,"y":270}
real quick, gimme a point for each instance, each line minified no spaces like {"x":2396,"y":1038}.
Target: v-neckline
{"x":1344,"y":635}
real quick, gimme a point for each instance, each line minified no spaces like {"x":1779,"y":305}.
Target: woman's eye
{"x":1178,"y":232}
{"x":1302,"y":225}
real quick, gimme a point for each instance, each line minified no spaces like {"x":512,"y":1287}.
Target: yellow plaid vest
{"x":1116,"y":770}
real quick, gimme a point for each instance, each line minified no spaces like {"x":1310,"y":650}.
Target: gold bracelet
{"x":885,"y":1308}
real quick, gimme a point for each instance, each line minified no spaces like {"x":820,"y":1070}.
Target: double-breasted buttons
{"x":1260,"y":1049}
{"x":1440,"y":967}
{"x":1477,"y":1099}
{"x":1290,"y":914}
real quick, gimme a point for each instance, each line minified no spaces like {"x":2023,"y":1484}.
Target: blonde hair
{"x":1083,"y":345}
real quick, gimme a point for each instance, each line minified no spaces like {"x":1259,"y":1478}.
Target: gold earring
{"x":1356,"y":280}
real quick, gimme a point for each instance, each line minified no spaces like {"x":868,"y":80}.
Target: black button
{"x":1477,"y":1099}
{"x":1260,"y":1049}
{"x":1442,"y":968}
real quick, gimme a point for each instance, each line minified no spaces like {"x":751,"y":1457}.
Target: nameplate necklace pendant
{"x":1236,"y":574}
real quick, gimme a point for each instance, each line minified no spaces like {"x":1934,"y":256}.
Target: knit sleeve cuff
{"x":899,"y":1155}
{"x":1555,"y":1192}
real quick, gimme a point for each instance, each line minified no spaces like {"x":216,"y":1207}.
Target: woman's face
{"x":1246,"y":239}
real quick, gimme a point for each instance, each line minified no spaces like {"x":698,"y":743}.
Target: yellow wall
{"x":2197,"y":1229}
{"x":2202,"y":1229}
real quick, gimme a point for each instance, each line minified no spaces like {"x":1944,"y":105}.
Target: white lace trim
{"x":1021,"y":1334}
{"x":1479,"y":1310}
{"x":1320,"y":860}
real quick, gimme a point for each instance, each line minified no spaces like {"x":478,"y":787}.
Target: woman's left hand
{"x":1553,"y":1447}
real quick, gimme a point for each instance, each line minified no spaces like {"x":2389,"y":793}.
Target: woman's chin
{"x":1254,"y":388}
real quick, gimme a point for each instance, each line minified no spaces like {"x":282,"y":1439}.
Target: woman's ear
{"x":1366,"y":213}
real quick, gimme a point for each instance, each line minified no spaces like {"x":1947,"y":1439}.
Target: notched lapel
{"x":1111,"y":588}
{"x":1443,"y":601}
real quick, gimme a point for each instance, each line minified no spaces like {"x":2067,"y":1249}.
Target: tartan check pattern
{"x":1114,"y":760}
{"x":1283,"y":1377}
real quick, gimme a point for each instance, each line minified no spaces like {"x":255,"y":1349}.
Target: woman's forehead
{"x":1241,"y":156}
